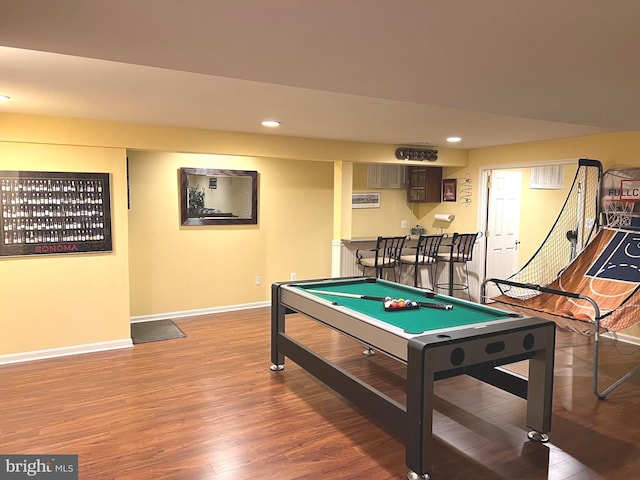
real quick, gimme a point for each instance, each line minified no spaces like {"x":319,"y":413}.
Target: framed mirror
{"x":218,"y":197}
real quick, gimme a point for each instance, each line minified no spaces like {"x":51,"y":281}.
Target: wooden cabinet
{"x":424,"y":184}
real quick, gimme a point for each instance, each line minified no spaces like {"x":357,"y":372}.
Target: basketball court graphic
{"x":607,"y":271}
{"x":620,"y":260}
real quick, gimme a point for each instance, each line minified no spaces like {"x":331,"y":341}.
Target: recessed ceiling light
{"x":4,"y":98}
{"x":454,"y":139}
{"x":270,"y":123}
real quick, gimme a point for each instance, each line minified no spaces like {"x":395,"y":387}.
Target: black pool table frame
{"x":477,"y":352}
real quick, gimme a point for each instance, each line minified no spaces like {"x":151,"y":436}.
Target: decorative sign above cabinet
{"x":422,"y":154}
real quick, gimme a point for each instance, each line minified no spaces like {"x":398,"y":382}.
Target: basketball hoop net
{"x":618,"y":212}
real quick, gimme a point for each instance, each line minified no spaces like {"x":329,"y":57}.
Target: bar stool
{"x":426,"y":253}
{"x":384,"y":257}
{"x":461,"y":253}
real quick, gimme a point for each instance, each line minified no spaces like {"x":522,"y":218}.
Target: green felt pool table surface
{"x":412,"y":321}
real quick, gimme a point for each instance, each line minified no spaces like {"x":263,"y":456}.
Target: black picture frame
{"x":44,"y":213}
{"x":450,"y":190}
{"x":196,"y":207}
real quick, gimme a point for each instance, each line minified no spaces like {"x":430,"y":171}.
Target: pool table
{"x":434,"y":343}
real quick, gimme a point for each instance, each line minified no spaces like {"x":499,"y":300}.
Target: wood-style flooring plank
{"x":207,"y":407}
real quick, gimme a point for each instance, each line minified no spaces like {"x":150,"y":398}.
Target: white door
{"x":503,"y":225}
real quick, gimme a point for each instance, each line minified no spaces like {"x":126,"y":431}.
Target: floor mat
{"x":144,"y":332}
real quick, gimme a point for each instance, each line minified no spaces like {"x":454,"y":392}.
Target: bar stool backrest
{"x":427,"y":249}
{"x":462,"y":246}
{"x":388,"y":250}
{"x":386,"y":255}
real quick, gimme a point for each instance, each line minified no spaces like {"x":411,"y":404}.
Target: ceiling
{"x":403,"y":72}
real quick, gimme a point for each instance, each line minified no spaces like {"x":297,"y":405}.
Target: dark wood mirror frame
{"x":200,"y":214}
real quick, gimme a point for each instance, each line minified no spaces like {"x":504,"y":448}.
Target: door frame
{"x":508,"y":210}
{"x":483,"y":204}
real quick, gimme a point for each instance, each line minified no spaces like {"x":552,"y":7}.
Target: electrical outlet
{"x":293,"y":276}
{"x":404,"y":224}
{"x":258,"y":279}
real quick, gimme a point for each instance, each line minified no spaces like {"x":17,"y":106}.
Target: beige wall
{"x":175,"y":268}
{"x":68,"y":131}
{"x":58,"y":301}
{"x":371,"y":222}
{"x":159,"y":267}
{"x":534,"y":224}
{"x":616,"y":150}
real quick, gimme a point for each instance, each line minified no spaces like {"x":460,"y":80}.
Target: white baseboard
{"x":65,"y":351}
{"x":623,"y":337}
{"x":198,"y":312}
{"x":117,"y":344}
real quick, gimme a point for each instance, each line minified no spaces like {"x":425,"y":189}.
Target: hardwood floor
{"x":208,"y":407}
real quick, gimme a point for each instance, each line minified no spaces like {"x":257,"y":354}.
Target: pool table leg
{"x":540,"y":388}
{"x":277,"y":326}
{"x":419,"y":433}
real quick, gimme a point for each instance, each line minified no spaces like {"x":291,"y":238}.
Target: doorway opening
{"x":515,"y":213}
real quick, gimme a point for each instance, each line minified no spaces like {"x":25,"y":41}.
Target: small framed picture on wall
{"x":365,"y":200}
{"x":449,"y":190}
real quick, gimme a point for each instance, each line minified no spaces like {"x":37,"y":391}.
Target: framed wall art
{"x":218,"y":197}
{"x":449,"y":190}
{"x":54,"y":213}
{"x":365,"y":200}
